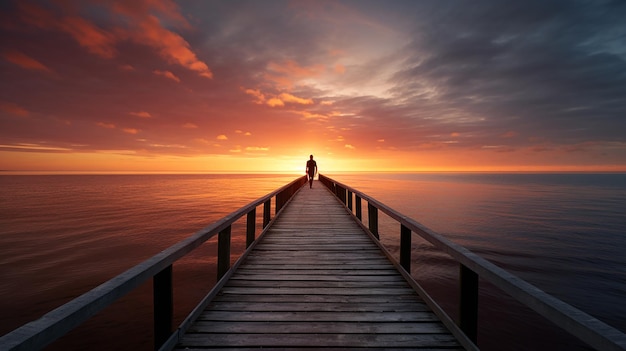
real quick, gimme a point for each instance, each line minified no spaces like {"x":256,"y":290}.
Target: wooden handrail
{"x":578,"y":323}
{"x":56,"y":323}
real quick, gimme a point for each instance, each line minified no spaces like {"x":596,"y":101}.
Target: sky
{"x":258,"y":86}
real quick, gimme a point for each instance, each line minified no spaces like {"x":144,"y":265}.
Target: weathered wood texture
{"x":316,"y":280}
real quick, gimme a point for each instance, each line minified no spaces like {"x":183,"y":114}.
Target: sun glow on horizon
{"x":119,"y":163}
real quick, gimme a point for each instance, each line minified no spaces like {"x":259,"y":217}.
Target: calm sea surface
{"x":62,"y":235}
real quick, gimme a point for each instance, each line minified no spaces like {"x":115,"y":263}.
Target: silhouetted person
{"x":311,"y":170}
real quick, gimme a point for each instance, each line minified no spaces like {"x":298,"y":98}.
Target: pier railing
{"x":56,"y":323}
{"x":585,"y":327}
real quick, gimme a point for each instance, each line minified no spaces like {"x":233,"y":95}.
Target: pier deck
{"x":317,"y":280}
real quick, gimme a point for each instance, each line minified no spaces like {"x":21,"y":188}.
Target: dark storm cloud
{"x":553,"y":70}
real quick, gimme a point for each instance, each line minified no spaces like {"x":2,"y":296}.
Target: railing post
{"x":278,"y":205}
{"x":250,"y":227}
{"x":223,"y":252}
{"x":468,"y":304}
{"x":163,"y":299}
{"x":372,"y":216}
{"x":267,"y":206}
{"x":350,"y":200}
{"x":405,"y":248}
{"x":357,"y":199}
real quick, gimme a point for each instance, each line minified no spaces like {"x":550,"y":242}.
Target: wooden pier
{"x":317,"y":280}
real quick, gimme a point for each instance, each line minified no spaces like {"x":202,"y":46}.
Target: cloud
{"x":340,"y":69}
{"x":190,"y":126}
{"x":286,"y":97}
{"x":547,"y":68}
{"x":24,"y":61}
{"x":94,"y":39}
{"x":13,"y":109}
{"x":141,"y":114}
{"x":277,"y":100}
{"x":256,"y":148}
{"x":171,"y":46}
{"x":221,"y":137}
{"x":285,"y":74}
{"x":142,"y":27}
{"x":167,"y":74}
{"x":274,"y":102}
{"x":106,"y":125}
{"x":260,"y":97}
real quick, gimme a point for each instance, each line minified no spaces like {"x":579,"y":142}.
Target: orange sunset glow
{"x":257,"y":86}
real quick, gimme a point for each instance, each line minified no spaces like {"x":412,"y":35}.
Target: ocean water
{"x":61,"y":235}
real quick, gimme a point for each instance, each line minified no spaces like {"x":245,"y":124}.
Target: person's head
{"x":311,"y":157}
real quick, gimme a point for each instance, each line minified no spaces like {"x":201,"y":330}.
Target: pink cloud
{"x":106,"y":125}
{"x":95,"y":40}
{"x":13,"y":109}
{"x":141,"y":114}
{"x":24,"y":61}
{"x":142,"y":28}
{"x":171,"y":46}
{"x":167,"y":74}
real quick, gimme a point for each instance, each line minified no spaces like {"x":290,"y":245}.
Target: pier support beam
{"x":163,"y":295}
{"x":405,"y":248}
{"x":468,"y":304}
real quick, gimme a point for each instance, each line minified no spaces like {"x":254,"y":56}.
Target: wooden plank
{"x":316,"y":280}
{"x":320,"y":340}
{"x":317,"y":291}
{"x":274,"y":306}
{"x":320,"y":327}
{"x":332,"y":300}
{"x":319,"y":276}
{"x":301,"y":316}
{"x":314,"y":284}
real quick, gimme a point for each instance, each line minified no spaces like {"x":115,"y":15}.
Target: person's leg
{"x":310,"y":182}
